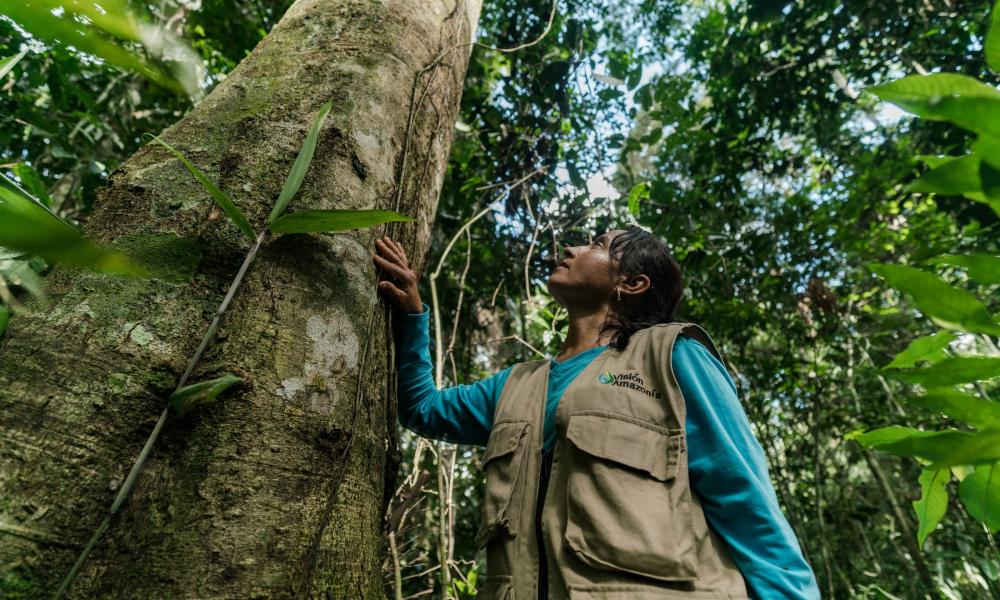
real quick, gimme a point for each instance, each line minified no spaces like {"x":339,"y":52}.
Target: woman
{"x":601,"y":447}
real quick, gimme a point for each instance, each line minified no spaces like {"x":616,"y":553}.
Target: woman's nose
{"x":569,"y":251}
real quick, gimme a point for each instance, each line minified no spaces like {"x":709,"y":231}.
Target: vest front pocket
{"x":503,"y":463}
{"x":496,"y":588}
{"x":624,"y":511}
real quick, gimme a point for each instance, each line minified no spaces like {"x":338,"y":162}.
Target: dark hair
{"x":639,"y":252}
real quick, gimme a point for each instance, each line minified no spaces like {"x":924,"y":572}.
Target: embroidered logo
{"x":628,"y":380}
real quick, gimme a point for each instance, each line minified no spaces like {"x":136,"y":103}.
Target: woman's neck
{"x":584,"y":331}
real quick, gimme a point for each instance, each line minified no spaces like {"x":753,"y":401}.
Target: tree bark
{"x":247,"y":497}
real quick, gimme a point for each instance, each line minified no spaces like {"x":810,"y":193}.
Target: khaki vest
{"x":619,"y":519}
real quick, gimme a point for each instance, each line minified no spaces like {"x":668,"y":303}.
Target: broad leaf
{"x":980,"y":493}
{"x":972,"y":410}
{"x":960,"y":99}
{"x":954,"y":177}
{"x":951,"y":371}
{"x":947,"y":305}
{"x":991,"y":46}
{"x":9,"y":184}
{"x":935,"y":160}
{"x":29,"y":227}
{"x":37,"y":18}
{"x":941,"y":448}
{"x":929,"y":348}
{"x":989,"y":177}
{"x":934,"y":85}
{"x":191,"y":397}
{"x":4,"y":319}
{"x":981,"y":266}
{"x":301,"y":165}
{"x":218,"y":195}
{"x":6,"y":64}
{"x":987,"y":148}
{"x":32,"y":182}
{"x":933,"y":502}
{"x":638,"y":192}
{"x":888,"y":435}
{"x":317,"y":221}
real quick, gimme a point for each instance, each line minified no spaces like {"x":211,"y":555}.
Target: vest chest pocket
{"x":503,"y":463}
{"x":626,"y":510}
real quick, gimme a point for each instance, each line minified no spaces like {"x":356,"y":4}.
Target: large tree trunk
{"x":248,"y":497}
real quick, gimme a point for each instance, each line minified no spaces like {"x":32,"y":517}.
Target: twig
{"x":512,"y":184}
{"x":531,"y":250}
{"x":521,"y":340}
{"x":548,"y":27}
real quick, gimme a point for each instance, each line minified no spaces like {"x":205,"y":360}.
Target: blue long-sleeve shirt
{"x":726,"y":464}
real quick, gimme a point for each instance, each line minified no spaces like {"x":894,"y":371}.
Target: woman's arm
{"x":462,"y":414}
{"x":729,"y":474}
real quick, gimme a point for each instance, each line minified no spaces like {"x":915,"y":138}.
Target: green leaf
{"x":974,"y":448}
{"x":951,"y":371}
{"x":991,"y":46}
{"x":972,"y":410}
{"x":987,"y":148}
{"x":959,"y":99}
{"x":8,"y":184}
{"x":948,"y":306}
{"x":980,"y":493}
{"x":191,"y":397}
{"x":639,"y":191}
{"x":933,"y":86}
{"x":981,"y":266}
{"x":936,"y":160}
{"x":955,"y":177}
{"x":227,"y":205}
{"x":318,"y":221}
{"x":6,"y":64}
{"x":37,"y":18}
{"x":888,"y":435}
{"x":989,"y":176}
{"x":929,"y":348}
{"x":32,"y":182}
{"x":4,"y":319}
{"x":960,"y":472}
{"x":301,"y":165}
{"x":933,"y":501}
{"x":29,"y":227}
{"x":941,"y":448}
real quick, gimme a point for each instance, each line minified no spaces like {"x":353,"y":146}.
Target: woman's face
{"x":585,"y":275}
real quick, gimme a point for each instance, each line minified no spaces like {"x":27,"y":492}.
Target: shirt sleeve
{"x":729,"y":473}
{"x":462,"y":414}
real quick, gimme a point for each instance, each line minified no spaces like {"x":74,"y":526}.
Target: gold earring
{"x":619,"y":290}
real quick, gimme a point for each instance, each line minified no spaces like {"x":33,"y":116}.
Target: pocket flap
{"x":628,"y":441}
{"x":503,"y":440}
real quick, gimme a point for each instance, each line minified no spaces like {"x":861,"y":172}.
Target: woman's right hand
{"x":399,"y":282}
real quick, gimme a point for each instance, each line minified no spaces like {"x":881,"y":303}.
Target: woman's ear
{"x":634,"y":286}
